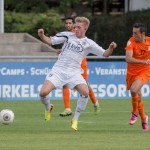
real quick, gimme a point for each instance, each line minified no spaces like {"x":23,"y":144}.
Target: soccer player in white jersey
{"x":67,"y":69}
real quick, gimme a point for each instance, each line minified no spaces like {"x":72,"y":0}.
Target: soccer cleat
{"x":145,"y":126}
{"x":97,"y":109}
{"x":65,"y":113}
{"x":133,"y":119}
{"x":48,"y":113}
{"x":74,"y":124}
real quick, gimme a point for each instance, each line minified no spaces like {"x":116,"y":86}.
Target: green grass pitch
{"x":107,"y":131}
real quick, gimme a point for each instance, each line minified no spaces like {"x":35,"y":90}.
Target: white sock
{"x":46,"y":102}
{"x":81,"y":105}
{"x":47,"y":106}
{"x":82,"y":102}
{"x":77,"y":114}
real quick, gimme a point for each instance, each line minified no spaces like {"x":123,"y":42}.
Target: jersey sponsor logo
{"x":73,"y":47}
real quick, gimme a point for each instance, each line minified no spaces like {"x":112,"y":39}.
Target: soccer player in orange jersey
{"x":69,"y":25}
{"x":138,"y":71}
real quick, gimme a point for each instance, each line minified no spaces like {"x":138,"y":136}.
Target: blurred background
{"x":110,"y":19}
{"x":25,"y":60}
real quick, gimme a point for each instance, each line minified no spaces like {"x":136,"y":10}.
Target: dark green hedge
{"x":103,"y":29}
{"x":31,"y":22}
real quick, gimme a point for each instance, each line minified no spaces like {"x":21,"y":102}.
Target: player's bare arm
{"x":132,"y":60}
{"x":43,"y":37}
{"x":110,"y":49}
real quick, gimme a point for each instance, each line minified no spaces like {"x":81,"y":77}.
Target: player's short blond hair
{"x":83,"y":19}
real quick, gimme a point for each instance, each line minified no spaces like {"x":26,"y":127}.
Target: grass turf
{"x":107,"y":131}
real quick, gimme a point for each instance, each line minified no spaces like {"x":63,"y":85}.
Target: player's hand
{"x":58,"y":51}
{"x":113,"y":45}
{"x":40,"y":32}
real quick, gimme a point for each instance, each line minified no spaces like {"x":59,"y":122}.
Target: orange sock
{"x":141,"y":110}
{"x":135,"y":104}
{"x":92,"y":97}
{"x":66,"y":97}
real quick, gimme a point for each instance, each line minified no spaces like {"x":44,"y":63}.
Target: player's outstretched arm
{"x":43,"y":37}
{"x":110,"y":49}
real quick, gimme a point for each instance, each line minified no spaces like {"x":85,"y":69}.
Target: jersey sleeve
{"x":96,"y":49}
{"x":59,"y":38}
{"x":129,"y":45}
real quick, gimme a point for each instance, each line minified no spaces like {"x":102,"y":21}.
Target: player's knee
{"x":85,"y":93}
{"x":133,"y":91}
{"x":42,"y":93}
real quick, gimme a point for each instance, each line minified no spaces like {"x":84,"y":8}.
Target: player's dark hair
{"x":70,"y":18}
{"x":141,"y":26}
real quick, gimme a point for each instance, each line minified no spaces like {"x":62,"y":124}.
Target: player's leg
{"x":81,"y":104}
{"x":91,"y":93}
{"x":134,"y":90}
{"x":94,"y":100}
{"x":144,"y":118}
{"x":66,"y":100}
{"x":44,"y":97}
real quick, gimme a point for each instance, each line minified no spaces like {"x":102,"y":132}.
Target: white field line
{"x":83,"y":112}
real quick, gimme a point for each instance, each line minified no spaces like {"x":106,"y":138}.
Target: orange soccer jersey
{"x":138,"y":71}
{"x":84,"y":67}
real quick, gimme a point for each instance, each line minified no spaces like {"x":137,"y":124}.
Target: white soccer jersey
{"x":73,"y":51}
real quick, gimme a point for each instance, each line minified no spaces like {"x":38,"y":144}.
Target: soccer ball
{"x":6,"y":116}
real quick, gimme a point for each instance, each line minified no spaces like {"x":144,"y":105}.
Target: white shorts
{"x":59,"y":79}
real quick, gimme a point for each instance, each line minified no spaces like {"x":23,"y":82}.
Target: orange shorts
{"x":85,"y":69}
{"x":143,"y":77}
